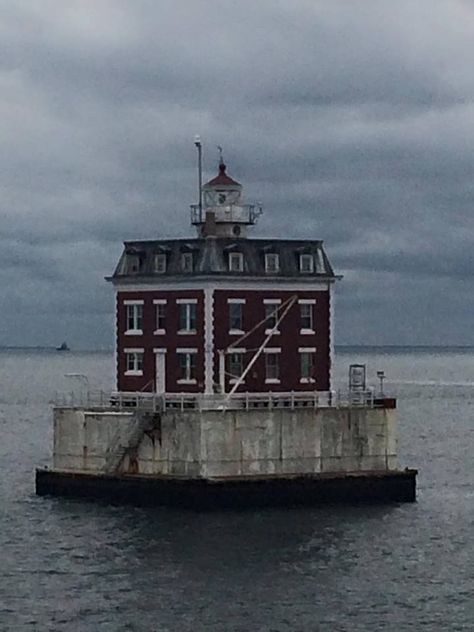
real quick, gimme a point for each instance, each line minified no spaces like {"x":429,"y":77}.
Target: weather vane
{"x":221,"y":159}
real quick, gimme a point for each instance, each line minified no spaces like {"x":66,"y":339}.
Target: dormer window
{"x":187,"y":263}
{"x":272,"y":262}
{"x":236,"y":262}
{"x":159,"y":263}
{"x":133,"y":263}
{"x":306,"y":263}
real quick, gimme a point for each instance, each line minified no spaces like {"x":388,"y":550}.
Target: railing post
{"x":292,"y":399}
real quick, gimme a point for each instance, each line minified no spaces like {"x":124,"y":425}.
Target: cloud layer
{"x":350,"y":121}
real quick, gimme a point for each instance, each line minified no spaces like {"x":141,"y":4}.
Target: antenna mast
{"x":197,"y":142}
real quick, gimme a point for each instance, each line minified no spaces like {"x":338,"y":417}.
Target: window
{"x":160,"y":263}
{"x":134,"y":361}
{"x":235,"y":365}
{"x":236,"y":262}
{"x":160,"y":315}
{"x":307,"y":355}
{"x":307,"y":315}
{"x":271,"y":314}
{"x":272,"y":262}
{"x":133,"y":263}
{"x":306,"y":263}
{"x":272,"y":367}
{"x":187,"y":316}
{"x":222,"y":198}
{"x":187,"y":366}
{"x":134,"y":317}
{"x":235,"y":316}
{"x":187,"y":262}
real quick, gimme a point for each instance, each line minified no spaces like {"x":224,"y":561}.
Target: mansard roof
{"x":211,"y":258}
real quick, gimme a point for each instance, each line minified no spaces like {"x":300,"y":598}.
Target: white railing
{"x":153,"y":402}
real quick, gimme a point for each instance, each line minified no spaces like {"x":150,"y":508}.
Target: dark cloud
{"x":350,"y":121}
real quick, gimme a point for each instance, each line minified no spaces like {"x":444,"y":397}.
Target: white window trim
{"x":307,"y":380}
{"x":236,"y":256}
{"x":272,"y":301}
{"x":187,"y":256}
{"x":307,"y":301}
{"x":276,"y":257}
{"x":128,"y":303}
{"x":307,"y":332}
{"x":160,"y":350}
{"x":159,"y":301}
{"x":186,"y":350}
{"x":307,"y":257}
{"x":272,"y":380}
{"x":241,"y":350}
{"x":187,"y":301}
{"x":238,"y":301}
{"x":133,"y":372}
{"x":159,"y":256}
{"x":236,"y":332}
{"x":272,"y":350}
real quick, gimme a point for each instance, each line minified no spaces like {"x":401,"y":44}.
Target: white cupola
{"x":222,"y":213}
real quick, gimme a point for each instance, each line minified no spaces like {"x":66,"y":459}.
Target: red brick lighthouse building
{"x":223,"y":312}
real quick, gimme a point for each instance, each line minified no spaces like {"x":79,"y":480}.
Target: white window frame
{"x":309,"y":259}
{"x":307,"y":379}
{"x":134,"y":312}
{"x":236,"y":262}
{"x":272,"y":351}
{"x":159,"y":263}
{"x":235,"y":301}
{"x":160,"y":304}
{"x":187,"y":262}
{"x":188,"y":353}
{"x":308,"y":331}
{"x":189,"y":304}
{"x":240,"y":352}
{"x":137,"y":356}
{"x":274,"y":302}
{"x":272,"y":268}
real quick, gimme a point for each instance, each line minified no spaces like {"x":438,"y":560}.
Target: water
{"x":75,"y":566}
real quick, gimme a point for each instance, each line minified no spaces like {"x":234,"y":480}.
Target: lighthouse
{"x":224,"y":395}
{"x":222,"y":311}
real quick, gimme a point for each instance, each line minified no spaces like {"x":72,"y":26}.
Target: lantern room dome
{"x":222,"y":179}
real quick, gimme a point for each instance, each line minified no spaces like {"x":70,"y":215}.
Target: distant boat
{"x":63,"y":347}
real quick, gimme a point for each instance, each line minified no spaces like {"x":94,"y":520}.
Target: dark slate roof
{"x":210,"y":258}
{"x":222,"y":179}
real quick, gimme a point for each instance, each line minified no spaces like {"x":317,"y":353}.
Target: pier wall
{"x":230,"y":443}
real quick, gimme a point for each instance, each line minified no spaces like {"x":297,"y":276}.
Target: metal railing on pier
{"x":154,"y":402}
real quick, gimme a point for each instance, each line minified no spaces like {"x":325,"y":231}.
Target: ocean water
{"x":76,"y":566}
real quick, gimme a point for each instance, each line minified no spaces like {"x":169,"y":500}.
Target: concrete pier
{"x":228,"y":457}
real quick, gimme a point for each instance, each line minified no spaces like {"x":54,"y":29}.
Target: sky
{"x":351,"y":121}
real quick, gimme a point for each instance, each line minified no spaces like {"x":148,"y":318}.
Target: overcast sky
{"x":351,"y":121}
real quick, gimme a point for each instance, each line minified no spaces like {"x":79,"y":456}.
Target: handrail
{"x":153,"y":402}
